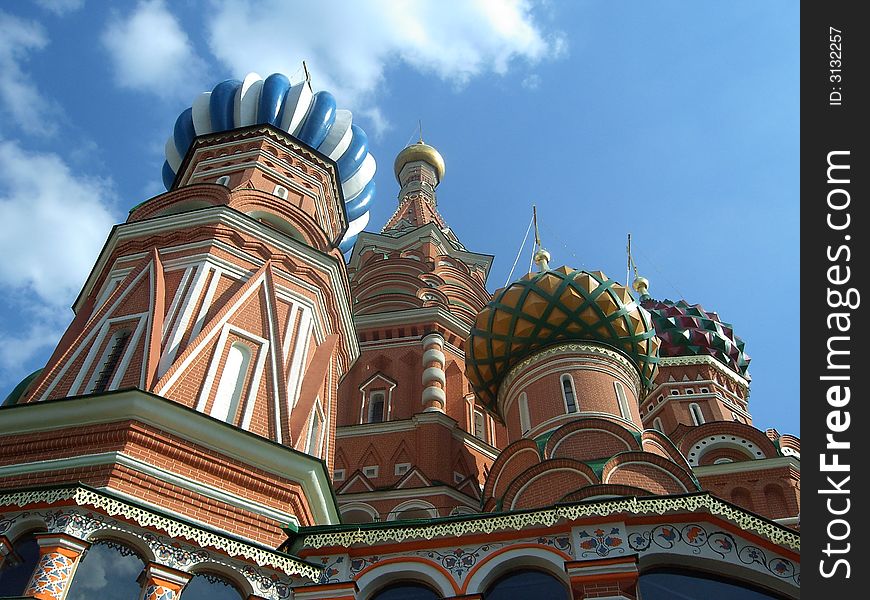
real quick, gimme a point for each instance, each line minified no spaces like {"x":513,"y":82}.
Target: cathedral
{"x":259,"y":399}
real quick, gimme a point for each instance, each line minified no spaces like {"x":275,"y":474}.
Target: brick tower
{"x":412,"y":440}
{"x":199,"y":377}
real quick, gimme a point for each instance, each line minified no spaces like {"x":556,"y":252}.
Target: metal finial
{"x":307,"y":73}
{"x":542,"y":257}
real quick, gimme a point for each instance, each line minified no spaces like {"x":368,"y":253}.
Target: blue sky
{"x":676,"y":121}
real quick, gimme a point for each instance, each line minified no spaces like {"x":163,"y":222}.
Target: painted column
{"x":604,"y":579}
{"x":162,"y":583}
{"x":59,"y":556}
{"x":434,"y":379}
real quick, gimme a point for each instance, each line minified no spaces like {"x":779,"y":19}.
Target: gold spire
{"x":542,"y":257}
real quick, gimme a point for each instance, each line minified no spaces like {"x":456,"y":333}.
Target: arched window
{"x":376,"y":407}
{"x":479,"y":427}
{"x":622,"y":399}
{"x":107,"y":570}
{"x":406,"y":591}
{"x":527,"y":583}
{"x":568,"y":393}
{"x":672,"y":583}
{"x":525,"y":419}
{"x":697,"y":415}
{"x":313,"y":446}
{"x":657,"y":423}
{"x":207,"y":586}
{"x":229,"y":391}
{"x":18,"y":566}
{"x":223,"y":180}
{"x":358,"y":515}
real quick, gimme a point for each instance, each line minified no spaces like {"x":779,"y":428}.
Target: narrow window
{"x":111,"y":358}
{"x":657,"y":423}
{"x":376,"y":408}
{"x":697,"y":415}
{"x":229,"y":391}
{"x":568,"y":393}
{"x":525,"y":420}
{"x":314,"y":433}
{"x":622,"y":399}
{"x":479,"y":431}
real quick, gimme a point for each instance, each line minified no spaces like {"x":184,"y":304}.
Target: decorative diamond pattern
{"x":688,"y":330}
{"x":51,"y":575}
{"x":552,"y":307}
{"x":158,"y":592}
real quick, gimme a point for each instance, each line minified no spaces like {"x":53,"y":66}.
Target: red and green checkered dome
{"x":689,"y":330}
{"x":553,"y":307}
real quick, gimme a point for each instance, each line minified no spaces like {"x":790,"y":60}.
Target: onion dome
{"x":553,"y":307}
{"x":312,"y":118}
{"x":689,"y":330}
{"x":420,"y":151}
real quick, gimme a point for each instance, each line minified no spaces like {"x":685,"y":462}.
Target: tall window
{"x":697,"y":415}
{"x":111,"y":359}
{"x":568,"y":393}
{"x":376,"y":407}
{"x":108,"y":570}
{"x":229,"y":392}
{"x":657,"y":423}
{"x":313,"y":446}
{"x":525,"y":420}
{"x":622,"y":399}
{"x":479,"y":428}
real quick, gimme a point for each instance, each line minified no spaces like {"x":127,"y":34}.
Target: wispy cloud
{"x":151,"y":52}
{"x":19,"y":98}
{"x":350,"y":45}
{"x":61,"y":7}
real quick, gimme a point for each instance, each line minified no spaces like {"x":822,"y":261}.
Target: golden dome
{"x":420,"y":151}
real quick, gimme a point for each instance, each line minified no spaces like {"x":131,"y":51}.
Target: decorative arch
{"x":411,"y":569}
{"x":362,"y":507}
{"x":222,"y":571}
{"x":124,"y":538}
{"x":520,"y":556}
{"x":411,"y":505}
{"x":702,"y":566}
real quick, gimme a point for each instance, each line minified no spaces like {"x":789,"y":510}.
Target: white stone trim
{"x":178,"y":420}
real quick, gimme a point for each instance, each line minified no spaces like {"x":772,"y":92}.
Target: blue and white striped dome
{"x":312,"y":118}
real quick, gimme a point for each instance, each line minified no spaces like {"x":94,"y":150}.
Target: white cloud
{"x":45,"y":263}
{"x":20,"y":99}
{"x":151,"y":52}
{"x":349,"y":45}
{"x":67,"y":217}
{"x":61,"y":7}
